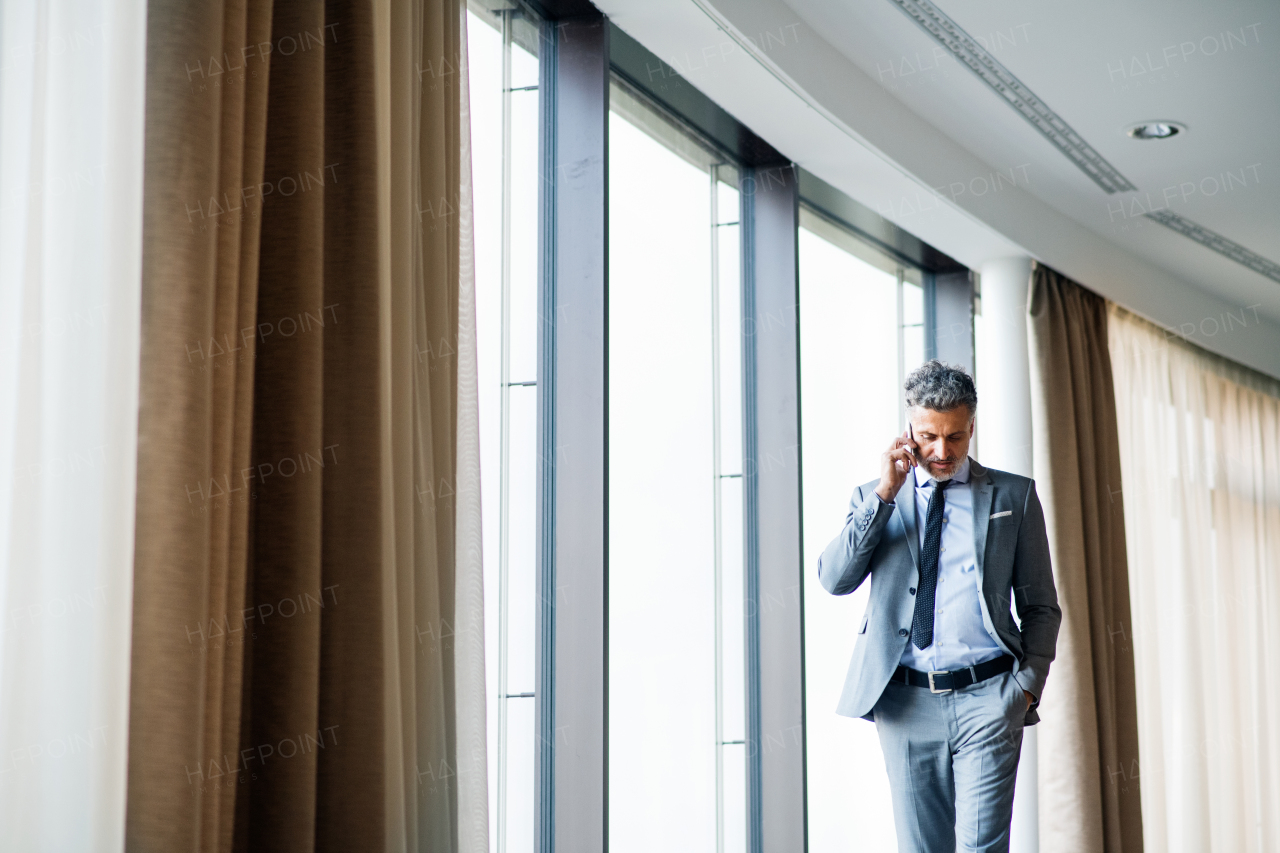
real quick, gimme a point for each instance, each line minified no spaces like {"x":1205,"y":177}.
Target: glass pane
{"x":524,"y":222}
{"x":848,"y":416}
{"x":524,"y":54}
{"x":727,"y":195}
{"x":520,"y":769}
{"x":730,"y":312}
{"x":504,"y":139}
{"x":913,"y":321}
{"x":732,"y":626}
{"x":522,"y":469}
{"x":661,"y":492}
{"x":913,"y":347}
{"x":733,"y":643}
{"x":735,"y":798}
{"x":912,"y":304}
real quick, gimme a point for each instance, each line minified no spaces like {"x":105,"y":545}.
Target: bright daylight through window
{"x":860,"y":311}
{"x":503,"y":64}
{"x":676,"y":668}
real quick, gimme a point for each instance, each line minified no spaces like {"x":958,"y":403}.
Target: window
{"x":676,"y":754}
{"x":859,"y":310}
{"x":503,"y":64}
{"x":676,"y":666}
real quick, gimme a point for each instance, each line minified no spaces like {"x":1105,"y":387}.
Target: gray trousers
{"x":952,"y":760}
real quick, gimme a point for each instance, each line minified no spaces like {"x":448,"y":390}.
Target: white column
{"x":1004,"y":389}
{"x":1004,"y":428}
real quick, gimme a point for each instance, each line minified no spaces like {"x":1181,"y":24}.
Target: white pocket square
{"x":1002,"y":514}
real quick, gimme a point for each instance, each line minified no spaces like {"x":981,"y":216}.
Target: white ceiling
{"x":1079,"y":59}
{"x":863,"y":97}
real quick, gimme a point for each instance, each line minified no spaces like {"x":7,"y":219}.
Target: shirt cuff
{"x":882,"y":500}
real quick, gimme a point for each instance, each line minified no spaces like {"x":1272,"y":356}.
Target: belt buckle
{"x":934,"y":672}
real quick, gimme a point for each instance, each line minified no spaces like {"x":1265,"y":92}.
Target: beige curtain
{"x":1200,"y":441}
{"x":307,"y":456}
{"x":1088,"y":740}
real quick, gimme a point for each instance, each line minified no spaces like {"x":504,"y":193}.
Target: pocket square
{"x":1002,"y":514}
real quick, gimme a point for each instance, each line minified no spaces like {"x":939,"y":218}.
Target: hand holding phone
{"x":896,"y":463}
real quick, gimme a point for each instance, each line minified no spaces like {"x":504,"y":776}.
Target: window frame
{"x":583,"y":53}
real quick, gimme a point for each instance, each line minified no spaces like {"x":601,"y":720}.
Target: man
{"x":939,"y":664}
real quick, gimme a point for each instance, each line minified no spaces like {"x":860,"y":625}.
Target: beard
{"x":945,"y":473}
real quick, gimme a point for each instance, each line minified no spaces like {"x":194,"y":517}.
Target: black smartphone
{"x":915,"y":451}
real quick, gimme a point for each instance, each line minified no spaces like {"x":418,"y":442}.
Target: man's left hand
{"x":1030,"y":699}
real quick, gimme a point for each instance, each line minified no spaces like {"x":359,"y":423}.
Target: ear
{"x":972,"y":422}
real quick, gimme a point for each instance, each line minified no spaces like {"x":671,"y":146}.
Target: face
{"x":943,"y":438}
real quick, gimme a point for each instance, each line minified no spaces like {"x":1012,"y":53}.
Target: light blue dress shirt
{"x":960,"y":639}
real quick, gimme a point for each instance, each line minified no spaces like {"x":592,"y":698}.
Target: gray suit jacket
{"x":881,"y":542}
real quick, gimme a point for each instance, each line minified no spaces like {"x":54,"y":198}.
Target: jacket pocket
{"x":863,"y":629}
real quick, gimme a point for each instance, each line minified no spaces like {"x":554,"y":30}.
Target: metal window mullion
{"x":571,"y":705}
{"x":750,"y":519}
{"x":717,"y":505}
{"x":544,"y":702}
{"x":776,"y":784}
{"x":504,"y":477}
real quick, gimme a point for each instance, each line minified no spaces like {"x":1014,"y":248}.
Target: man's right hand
{"x":895,"y":464}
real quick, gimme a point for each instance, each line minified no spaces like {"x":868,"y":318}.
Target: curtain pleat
{"x":1090,"y":797}
{"x":397,"y":39}
{"x":351,"y":783}
{"x":1201,"y":442}
{"x":282,"y":654}
{"x":241,"y":151}
{"x":297,"y":485}
{"x":435,"y":379}
{"x":176,"y":478}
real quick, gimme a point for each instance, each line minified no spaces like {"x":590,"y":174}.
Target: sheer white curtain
{"x":71,"y":119}
{"x":1200,"y":459}
{"x":473,"y":786}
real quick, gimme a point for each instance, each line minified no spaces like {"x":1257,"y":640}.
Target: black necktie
{"x":922,"y":621}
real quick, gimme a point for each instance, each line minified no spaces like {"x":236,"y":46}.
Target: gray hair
{"x":940,"y":387}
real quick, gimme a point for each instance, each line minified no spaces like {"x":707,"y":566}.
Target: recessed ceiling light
{"x":1155,"y":130}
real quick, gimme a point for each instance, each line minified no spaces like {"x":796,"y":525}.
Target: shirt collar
{"x":923,"y":476}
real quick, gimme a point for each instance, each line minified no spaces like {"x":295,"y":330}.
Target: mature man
{"x":939,"y":664}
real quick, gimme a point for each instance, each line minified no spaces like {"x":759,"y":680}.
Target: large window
{"x":677,"y":752}
{"x":860,"y":311}
{"x":503,"y":58}
{"x":676,"y":671}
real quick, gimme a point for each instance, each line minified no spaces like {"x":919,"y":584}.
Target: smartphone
{"x":915,"y":451}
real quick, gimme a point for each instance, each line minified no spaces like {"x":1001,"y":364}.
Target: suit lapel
{"x":906,"y":503}
{"x":980,"y":484}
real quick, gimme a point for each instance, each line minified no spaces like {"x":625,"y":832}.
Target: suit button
{"x":902,"y":632}
{"x":912,"y":590}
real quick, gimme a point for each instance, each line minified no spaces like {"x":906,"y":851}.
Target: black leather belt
{"x":944,"y":681}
